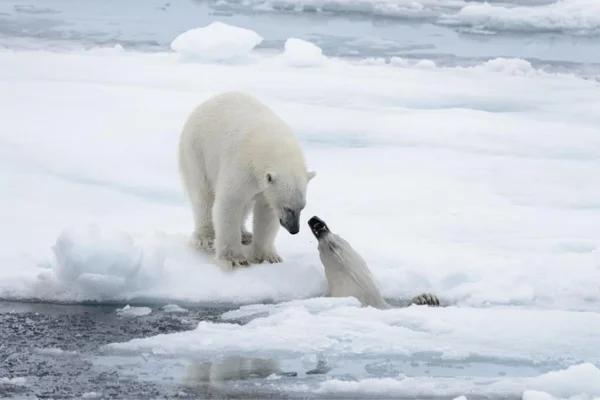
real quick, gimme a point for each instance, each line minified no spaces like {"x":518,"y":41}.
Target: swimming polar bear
{"x":347,"y":272}
{"x":236,"y":156}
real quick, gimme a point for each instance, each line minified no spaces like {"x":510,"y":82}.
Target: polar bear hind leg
{"x":246,"y":236}
{"x":202,"y":200}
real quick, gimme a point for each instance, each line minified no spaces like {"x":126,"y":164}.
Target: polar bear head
{"x":286,"y":193}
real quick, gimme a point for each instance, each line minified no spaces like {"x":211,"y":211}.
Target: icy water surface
{"x":346,"y":28}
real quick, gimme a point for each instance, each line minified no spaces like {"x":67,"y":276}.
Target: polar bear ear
{"x":270,"y":177}
{"x":310,"y":175}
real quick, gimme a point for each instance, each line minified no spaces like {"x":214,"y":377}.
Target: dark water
{"x":151,"y":25}
{"x":31,"y":332}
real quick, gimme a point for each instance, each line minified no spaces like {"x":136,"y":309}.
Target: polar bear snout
{"x":290,"y":220}
{"x":318,"y":227}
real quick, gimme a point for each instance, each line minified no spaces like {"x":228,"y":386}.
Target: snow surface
{"x":476,"y":184}
{"x":483,"y":197}
{"x":217,"y":41}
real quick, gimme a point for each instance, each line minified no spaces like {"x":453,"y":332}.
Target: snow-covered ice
{"x":19,"y":381}
{"x":215,"y":42}
{"x":575,"y":383}
{"x":336,"y":327}
{"x":576,"y":17}
{"x":482,"y":196}
{"x":91,"y":395}
{"x":55,"y":352}
{"x":579,"y":17}
{"x":474,"y":183}
{"x":129,"y":311}
{"x":174,"y":308}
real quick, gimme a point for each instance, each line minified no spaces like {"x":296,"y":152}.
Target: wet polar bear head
{"x":286,"y":193}
{"x":347,"y":272}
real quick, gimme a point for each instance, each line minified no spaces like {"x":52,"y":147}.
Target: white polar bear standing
{"x":237,"y":156}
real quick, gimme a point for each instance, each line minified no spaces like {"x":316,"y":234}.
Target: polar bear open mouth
{"x":318,"y":227}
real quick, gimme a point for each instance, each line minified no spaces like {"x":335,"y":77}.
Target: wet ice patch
{"x":129,"y":311}
{"x":217,"y":41}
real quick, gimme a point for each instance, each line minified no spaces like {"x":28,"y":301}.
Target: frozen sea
{"x":457,"y":148}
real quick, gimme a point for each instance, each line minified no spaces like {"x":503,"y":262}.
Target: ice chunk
{"x":55,"y":351}
{"x":301,"y":53}
{"x":129,"y":311}
{"x":91,"y":395}
{"x":338,"y":326}
{"x":509,"y":66}
{"x":577,"y":379}
{"x":573,"y":16}
{"x":570,"y":386}
{"x":101,"y":264}
{"x":215,"y":42}
{"x":174,"y":308}
{"x":425,"y":64}
{"x":18,"y":381}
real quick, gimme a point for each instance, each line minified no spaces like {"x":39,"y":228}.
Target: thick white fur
{"x":237,"y":156}
{"x":348,"y":275}
{"x":347,"y":272}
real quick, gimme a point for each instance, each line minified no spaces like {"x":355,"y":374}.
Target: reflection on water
{"x":232,"y":368}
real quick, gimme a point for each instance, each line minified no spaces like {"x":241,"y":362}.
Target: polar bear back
{"x":237,"y":128}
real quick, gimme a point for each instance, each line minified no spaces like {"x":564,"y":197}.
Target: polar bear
{"x":347,"y":273}
{"x":236,"y":156}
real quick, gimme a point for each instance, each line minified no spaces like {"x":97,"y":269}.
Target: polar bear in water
{"x":347,"y":272}
{"x":236,"y":156}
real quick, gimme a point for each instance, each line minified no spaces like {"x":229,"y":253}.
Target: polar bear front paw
{"x":427,"y":299}
{"x":270,"y":257}
{"x":202,"y":242}
{"x":231,"y":263}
